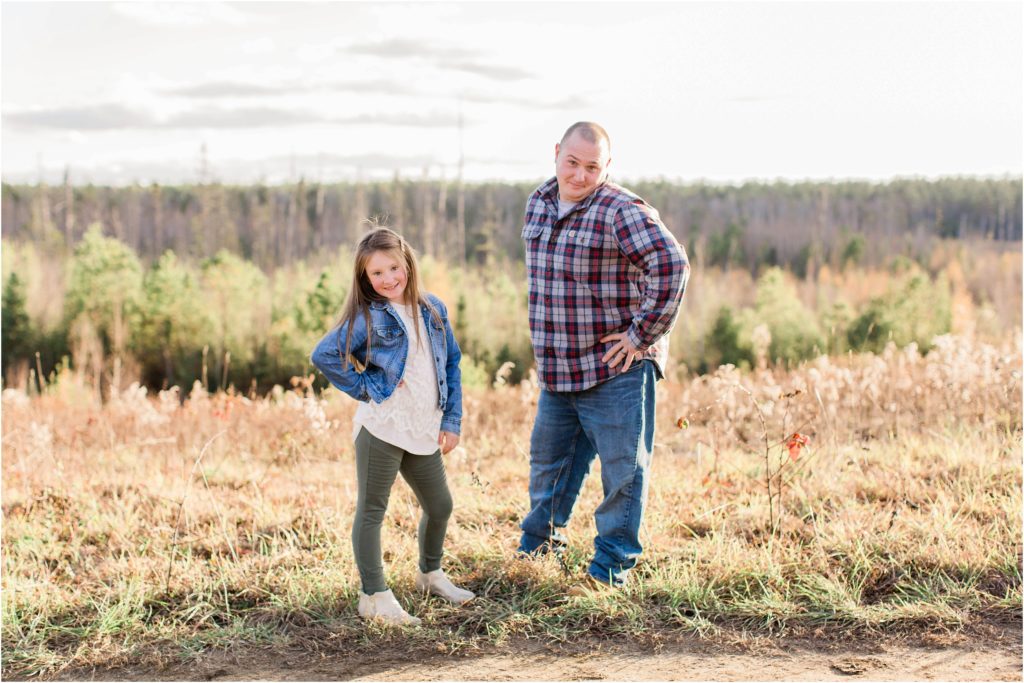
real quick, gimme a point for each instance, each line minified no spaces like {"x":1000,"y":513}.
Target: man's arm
{"x":647,"y":243}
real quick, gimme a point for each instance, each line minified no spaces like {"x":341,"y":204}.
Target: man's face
{"x":580,"y":166}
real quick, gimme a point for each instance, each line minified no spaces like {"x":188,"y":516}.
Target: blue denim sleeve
{"x":342,"y":373}
{"x":451,"y":421}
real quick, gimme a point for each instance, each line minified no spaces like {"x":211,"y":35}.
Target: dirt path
{"x":897,"y":664}
{"x":993,"y":656}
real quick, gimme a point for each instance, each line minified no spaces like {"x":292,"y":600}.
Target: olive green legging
{"x":377,"y":465}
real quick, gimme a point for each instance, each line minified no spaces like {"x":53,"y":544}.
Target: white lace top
{"x":409,"y":418}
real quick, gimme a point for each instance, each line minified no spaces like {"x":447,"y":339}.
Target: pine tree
{"x":17,"y":333}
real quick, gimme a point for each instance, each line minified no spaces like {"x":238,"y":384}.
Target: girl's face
{"x":387,"y":276}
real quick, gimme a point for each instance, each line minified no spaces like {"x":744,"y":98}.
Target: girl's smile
{"x":387,"y":276}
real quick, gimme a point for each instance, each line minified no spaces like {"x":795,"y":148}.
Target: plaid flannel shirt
{"x":609,"y":265}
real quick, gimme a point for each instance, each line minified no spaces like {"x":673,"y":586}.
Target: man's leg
{"x":618,"y":417}
{"x":560,"y":457}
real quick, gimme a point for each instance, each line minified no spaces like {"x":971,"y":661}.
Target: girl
{"x":394,"y":351}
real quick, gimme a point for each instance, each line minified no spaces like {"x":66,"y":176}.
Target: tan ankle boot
{"x":385,"y":608}
{"x":437,"y":583}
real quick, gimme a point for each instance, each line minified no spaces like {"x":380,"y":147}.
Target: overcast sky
{"x":724,"y":92}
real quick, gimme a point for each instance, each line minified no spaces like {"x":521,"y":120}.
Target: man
{"x":606,"y":278}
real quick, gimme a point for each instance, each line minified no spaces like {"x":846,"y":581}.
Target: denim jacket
{"x":376,"y":381}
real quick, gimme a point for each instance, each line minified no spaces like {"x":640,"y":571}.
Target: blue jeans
{"x":615,"y":421}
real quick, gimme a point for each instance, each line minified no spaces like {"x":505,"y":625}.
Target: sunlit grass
{"x":122,"y":544}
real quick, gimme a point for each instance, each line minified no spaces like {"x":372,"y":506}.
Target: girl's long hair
{"x":362,"y":293}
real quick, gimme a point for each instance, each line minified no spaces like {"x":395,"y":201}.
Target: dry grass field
{"x":150,"y":531}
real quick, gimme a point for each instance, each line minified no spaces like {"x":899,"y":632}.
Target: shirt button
{"x":572,"y":233}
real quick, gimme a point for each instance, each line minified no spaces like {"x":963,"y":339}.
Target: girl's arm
{"x":344,"y":374}
{"x":447,"y":441}
{"x":451,"y":421}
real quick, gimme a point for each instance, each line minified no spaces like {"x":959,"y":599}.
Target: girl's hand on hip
{"x":447,"y":441}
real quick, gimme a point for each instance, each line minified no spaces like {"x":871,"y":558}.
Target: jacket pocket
{"x":587,"y":254}
{"x":387,"y":337}
{"x":532,"y":230}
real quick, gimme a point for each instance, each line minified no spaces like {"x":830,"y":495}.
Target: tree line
{"x":798,"y":226}
{"x":231,"y":286}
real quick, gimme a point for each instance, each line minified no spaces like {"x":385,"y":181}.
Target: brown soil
{"x":991,"y":655}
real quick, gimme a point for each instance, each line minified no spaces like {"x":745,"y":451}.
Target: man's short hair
{"x":589,"y":131}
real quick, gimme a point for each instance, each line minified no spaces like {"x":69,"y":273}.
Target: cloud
{"x":399,"y":48}
{"x":448,"y":58}
{"x":256,"y":117}
{"x":493,"y":71}
{"x":758,"y":98}
{"x":116,"y":117}
{"x":236,"y":89}
{"x":379,"y":86}
{"x":252,"y":117}
{"x":230,"y":89}
{"x":489,"y":161}
{"x":95,"y":117}
{"x":432,"y":120}
{"x":316,"y":167}
{"x":183,"y":13}
{"x":369,"y":160}
{"x":316,"y":52}
{"x":482,"y":97}
{"x":276,"y":169}
{"x":118,"y":172}
{"x":258,"y":46}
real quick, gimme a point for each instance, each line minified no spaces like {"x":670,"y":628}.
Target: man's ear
{"x":558,"y":148}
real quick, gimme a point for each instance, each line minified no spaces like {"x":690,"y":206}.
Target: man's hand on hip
{"x":622,"y":351}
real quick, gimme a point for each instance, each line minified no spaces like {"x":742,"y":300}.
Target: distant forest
{"x":793,"y":225}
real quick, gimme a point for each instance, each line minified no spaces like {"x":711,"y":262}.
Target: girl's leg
{"x":426,"y":477}
{"x":377,"y":464}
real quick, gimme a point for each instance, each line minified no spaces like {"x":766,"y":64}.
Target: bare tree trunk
{"x":118,"y":344}
{"x":442,"y":217}
{"x":359,"y":212}
{"x":158,"y":219}
{"x":427,"y":216}
{"x":460,"y":224}
{"x":69,"y":208}
{"x":318,"y":217}
{"x":44,"y":215}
